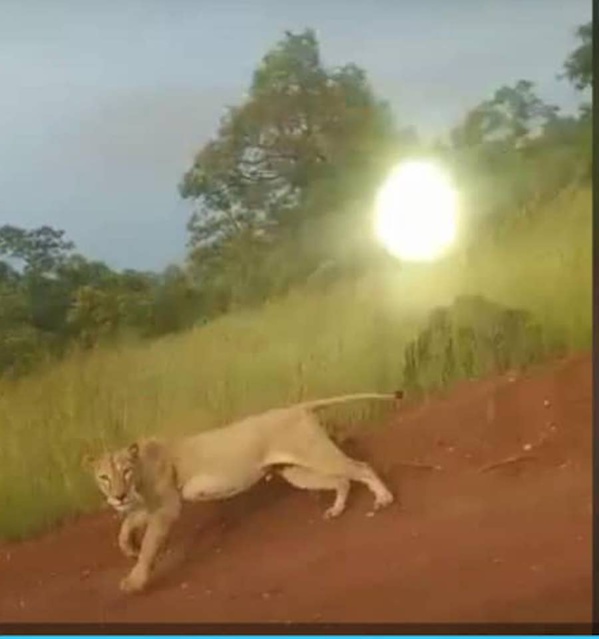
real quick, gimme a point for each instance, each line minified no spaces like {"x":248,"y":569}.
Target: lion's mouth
{"x":121,"y":506}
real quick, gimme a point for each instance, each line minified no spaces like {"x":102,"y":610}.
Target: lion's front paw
{"x":383,"y":500}
{"x":135,"y":581}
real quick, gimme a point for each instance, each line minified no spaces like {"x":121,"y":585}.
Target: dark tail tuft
{"x":398,"y":394}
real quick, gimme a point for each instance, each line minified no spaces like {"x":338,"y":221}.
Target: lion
{"x":147,"y":481}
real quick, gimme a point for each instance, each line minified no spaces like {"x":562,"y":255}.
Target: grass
{"x":310,"y":343}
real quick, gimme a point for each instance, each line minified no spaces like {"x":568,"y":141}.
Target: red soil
{"x":512,"y":543}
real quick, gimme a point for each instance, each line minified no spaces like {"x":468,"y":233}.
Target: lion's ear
{"x":87,"y":461}
{"x":133,"y":451}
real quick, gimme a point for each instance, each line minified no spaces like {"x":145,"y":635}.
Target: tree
{"x":40,"y":251}
{"x":95,"y":314}
{"x":513,"y":151}
{"x":33,"y":259}
{"x":508,"y":119}
{"x":175,"y":302}
{"x":306,"y":142}
{"x":578,"y":67}
{"x":21,"y":344}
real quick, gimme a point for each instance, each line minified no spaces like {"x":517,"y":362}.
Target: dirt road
{"x":509,"y":543}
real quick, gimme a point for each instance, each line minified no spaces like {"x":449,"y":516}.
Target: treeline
{"x":281,"y":193}
{"x":52,"y":298}
{"x":287,"y":184}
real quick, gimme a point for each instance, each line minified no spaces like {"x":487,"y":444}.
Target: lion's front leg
{"x":158,"y":527}
{"x":130,"y":533}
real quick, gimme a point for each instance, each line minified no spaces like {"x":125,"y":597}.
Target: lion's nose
{"x":120,"y":497}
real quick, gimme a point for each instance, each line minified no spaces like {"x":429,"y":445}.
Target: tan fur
{"x":147,"y":481}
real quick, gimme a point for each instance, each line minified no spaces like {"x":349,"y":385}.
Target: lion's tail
{"x":342,"y":399}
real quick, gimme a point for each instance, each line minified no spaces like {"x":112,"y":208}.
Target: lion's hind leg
{"x":305,"y":478}
{"x":315,"y":451}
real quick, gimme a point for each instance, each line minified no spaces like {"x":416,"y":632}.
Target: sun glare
{"x":416,"y":212}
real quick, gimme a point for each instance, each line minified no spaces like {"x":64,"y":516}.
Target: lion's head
{"x":117,"y":476}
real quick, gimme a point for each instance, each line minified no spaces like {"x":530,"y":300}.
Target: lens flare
{"x":416,"y":212}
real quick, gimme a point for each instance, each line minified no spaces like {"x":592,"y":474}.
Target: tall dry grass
{"x":311,"y":343}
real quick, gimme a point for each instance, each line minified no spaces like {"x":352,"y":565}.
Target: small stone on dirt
{"x":546,"y":403}
{"x":527,"y":447}
{"x":536,"y":568}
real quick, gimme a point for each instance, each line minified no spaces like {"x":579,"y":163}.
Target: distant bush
{"x":470,"y":338}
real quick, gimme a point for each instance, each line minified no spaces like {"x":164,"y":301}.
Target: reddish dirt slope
{"x":509,"y":544}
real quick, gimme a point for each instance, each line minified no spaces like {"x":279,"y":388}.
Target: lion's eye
{"x":104,"y":478}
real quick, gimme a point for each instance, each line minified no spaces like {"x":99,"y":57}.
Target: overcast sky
{"x":104,"y":102}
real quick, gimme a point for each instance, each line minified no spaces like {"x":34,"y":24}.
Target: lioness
{"x":146,"y":481}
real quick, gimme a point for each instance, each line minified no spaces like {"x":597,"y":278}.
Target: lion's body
{"x":147,"y":481}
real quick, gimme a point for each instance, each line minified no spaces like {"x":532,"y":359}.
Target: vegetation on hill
{"x":284,"y":294}
{"x":282,"y":192}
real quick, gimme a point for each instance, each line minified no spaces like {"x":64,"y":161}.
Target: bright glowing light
{"x":416,"y":212}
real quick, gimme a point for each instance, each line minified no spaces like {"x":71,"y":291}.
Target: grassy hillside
{"x":311,"y":343}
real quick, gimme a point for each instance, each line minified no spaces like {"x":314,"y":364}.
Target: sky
{"x":104,"y":103}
